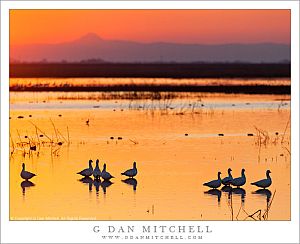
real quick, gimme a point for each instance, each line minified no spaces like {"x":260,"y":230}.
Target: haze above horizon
{"x":148,"y":26}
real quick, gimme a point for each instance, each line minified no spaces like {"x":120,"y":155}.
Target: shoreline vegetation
{"x":151,"y":70}
{"x":154,"y":70}
{"x":228,"y":89}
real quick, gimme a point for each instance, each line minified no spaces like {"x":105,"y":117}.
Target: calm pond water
{"x":175,"y":143}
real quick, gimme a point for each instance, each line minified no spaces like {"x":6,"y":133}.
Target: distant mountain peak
{"x":89,"y":38}
{"x":92,"y":48}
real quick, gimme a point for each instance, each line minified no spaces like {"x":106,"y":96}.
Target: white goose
{"x":97,"y":171}
{"x":106,"y":175}
{"x":214,"y":183}
{"x":240,"y":181}
{"x":87,"y":172}
{"x":227,"y":180}
{"x":265,"y":183}
{"x":26,"y":175}
{"x":131,"y":172}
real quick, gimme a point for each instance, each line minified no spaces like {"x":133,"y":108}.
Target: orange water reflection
{"x":172,"y":166}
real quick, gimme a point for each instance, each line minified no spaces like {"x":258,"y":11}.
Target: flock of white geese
{"x":105,"y":175}
{"x":239,"y":181}
{"x":88,"y":172}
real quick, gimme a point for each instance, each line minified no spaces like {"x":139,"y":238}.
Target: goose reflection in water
{"x":131,"y":181}
{"x":239,"y":191}
{"x":97,"y":184}
{"x":105,"y":184}
{"x":214,"y":192}
{"x":264,"y":193}
{"x":87,"y":180}
{"x":228,"y":190}
{"x":26,"y":184}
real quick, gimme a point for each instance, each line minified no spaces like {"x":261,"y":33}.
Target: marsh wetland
{"x":178,"y":139}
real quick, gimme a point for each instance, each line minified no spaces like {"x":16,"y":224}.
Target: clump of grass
{"x":258,"y":215}
{"x":166,"y":106}
{"x":261,"y":214}
{"x":262,"y":137}
{"x":35,"y":142}
{"x":124,"y":95}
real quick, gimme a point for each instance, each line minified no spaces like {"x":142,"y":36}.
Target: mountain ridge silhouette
{"x":92,"y":46}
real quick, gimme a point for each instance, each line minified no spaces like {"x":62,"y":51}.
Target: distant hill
{"x":92,"y":47}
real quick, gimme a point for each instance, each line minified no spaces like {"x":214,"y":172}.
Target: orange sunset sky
{"x":181,"y":26}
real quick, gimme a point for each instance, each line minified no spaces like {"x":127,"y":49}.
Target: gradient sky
{"x":181,"y":26}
